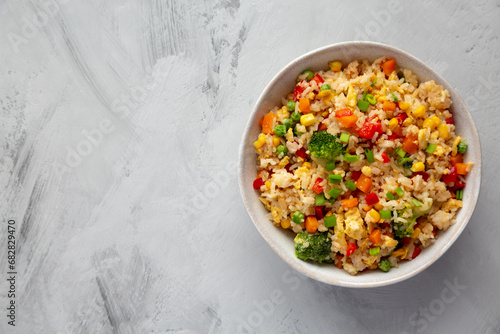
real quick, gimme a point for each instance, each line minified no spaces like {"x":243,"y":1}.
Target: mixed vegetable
{"x":364,"y":207}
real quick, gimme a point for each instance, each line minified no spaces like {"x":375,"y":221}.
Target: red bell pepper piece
{"x":425,"y":176}
{"x":319,"y":80}
{"x":355,"y":174}
{"x":288,"y":168}
{"x":416,"y":251}
{"x":385,"y":157}
{"x":316,"y":187}
{"x":319,"y":212}
{"x":297,"y":91}
{"x":368,"y":129}
{"x":372,"y":199}
{"x":258,"y":183}
{"x":322,"y":126}
{"x":405,"y":240}
{"x":350,"y":249}
{"x":451,"y":176}
{"x":459,"y":184}
{"x":343,"y":112}
{"x":401,"y":117}
{"x":450,"y":120}
{"x":301,"y":152}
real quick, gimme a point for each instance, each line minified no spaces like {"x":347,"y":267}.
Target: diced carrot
{"x":389,"y":106}
{"x":461,"y":168}
{"x":339,"y":261}
{"x":343,"y":112}
{"x":457,"y":159}
{"x":388,"y":66}
{"x":364,"y":183}
{"x":311,"y":224}
{"x":304,"y":105}
{"x":349,"y":202}
{"x":322,"y":126}
{"x":376,"y":237}
{"x":267,"y":123}
{"x":348,"y":121}
{"x":410,"y":144}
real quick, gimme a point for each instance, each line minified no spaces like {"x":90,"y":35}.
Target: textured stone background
{"x":120,"y":125}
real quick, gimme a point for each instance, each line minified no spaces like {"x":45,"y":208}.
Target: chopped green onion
{"x":384,"y":265}
{"x":459,"y":194}
{"x":404,"y":161}
{"x":330,"y":166}
{"x":374,"y":251}
{"x":310,"y":74}
{"x":320,"y":199}
{"x":296,"y":115}
{"x":399,"y":191}
{"x":364,"y":95}
{"x":290,"y":106}
{"x":461,"y":147}
{"x":351,"y":158}
{"x":400,"y":152}
{"x":325,"y":87}
{"x":390,"y":196}
{"x":374,"y":82}
{"x":298,"y":217}
{"x":385,"y":214}
{"x":395,"y":99}
{"x":369,"y":155}
{"x":416,"y":203}
{"x":334,"y":178}
{"x":344,"y":137}
{"x":334,"y":193}
{"x":330,"y":221}
{"x":430,"y":148}
{"x":350,"y":185}
{"x":363,"y":105}
{"x":371,"y":99}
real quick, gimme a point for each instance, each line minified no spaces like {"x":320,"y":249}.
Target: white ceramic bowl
{"x":281,"y":241}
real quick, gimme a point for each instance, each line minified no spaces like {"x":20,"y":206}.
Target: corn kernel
{"x":404,"y":105}
{"x":374,"y":214}
{"x":268,"y":184}
{"x":351,"y":96}
{"x":306,"y":164}
{"x":276,"y":140}
{"x":311,"y":96}
{"x":367,"y":171}
{"x":420,"y":111}
{"x":381,"y":98}
{"x":443,"y":131}
{"x":393,"y":123}
{"x":418,"y":167}
{"x":324,"y":93}
{"x":429,"y":123}
{"x":416,"y":233}
{"x":260,"y":141}
{"x":378,"y":206}
{"x":436,"y":120}
{"x":335,"y":65}
{"x":307,"y":119}
{"x":285,"y":224}
{"x":408,"y":121}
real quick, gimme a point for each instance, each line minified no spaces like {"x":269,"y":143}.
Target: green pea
{"x":384,"y":265}
{"x":310,"y":74}
{"x":298,"y":217}
{"x":288,"y":123}
{"x":281,"y":151}
{"x":325,"y":87}
{"x":280,"y":130}
{"x":290,"y":106}
{"x":296,"y":116}
{"x":461,"y":147}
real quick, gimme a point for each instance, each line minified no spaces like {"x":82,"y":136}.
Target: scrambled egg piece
{"x":388,"y":244}
{"x":339,"y":244}
{"x":354,"y":224}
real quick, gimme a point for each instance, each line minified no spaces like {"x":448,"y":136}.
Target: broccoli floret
{"x":325,"y":146}
{"x":410,"y":213}
{"x":314,"y":247}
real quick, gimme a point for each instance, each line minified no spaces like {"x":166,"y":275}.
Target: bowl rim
{"x":281,"y":253}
